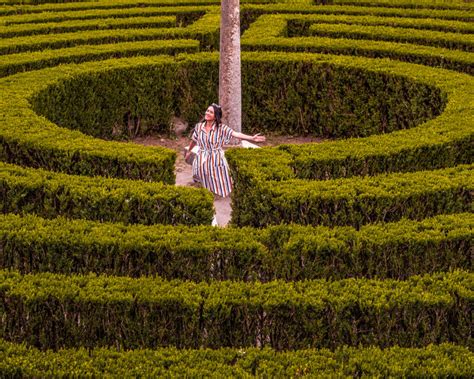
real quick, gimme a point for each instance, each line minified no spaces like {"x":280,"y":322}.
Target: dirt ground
{"x":183,"y":171}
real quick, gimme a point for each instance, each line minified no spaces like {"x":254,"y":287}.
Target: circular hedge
{"x":363,"y":240}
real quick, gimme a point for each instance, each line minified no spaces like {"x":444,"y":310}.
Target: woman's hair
{"x":217,"y":114}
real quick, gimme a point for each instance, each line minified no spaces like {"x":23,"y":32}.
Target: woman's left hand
{"x":258,"y":138}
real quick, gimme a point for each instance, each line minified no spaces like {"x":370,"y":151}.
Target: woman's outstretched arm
{"x":255,"y":138}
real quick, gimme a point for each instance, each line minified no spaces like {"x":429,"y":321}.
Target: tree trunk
{"x":230,"y":90}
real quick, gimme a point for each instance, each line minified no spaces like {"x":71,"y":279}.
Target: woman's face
{"x":209,"y":116}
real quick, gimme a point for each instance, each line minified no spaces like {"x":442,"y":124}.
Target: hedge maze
{"x":351,"y":257}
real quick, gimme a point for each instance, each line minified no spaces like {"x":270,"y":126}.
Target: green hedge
{"x":55,"y":311}
{"x":442,"y":142}
{"x":354,"y":201}
{"x":192,"y":80}
{"x":149,"y":312}
{"x":54,"y":41}
{"x":33,"y":141}
{"x":449,"y":4}
{"x":301,"y":8}
{"x":77,"y":25}
{"x":90,"y":103}
{"x":444,"y":360}
{"x":51,"y":194}
{"x":184,"y":14}
{"x":389,"y":33}
{"x":297,"y":6}
{"x":63,"y":5}
{"x":424,"y":55}
{"x":270,"y":32}
{"x":205,"y":30}
{"x":298,"y":25}
{"x":14,"y":63}
{"x":284,"y":96}
{"x":289,"y":252}
{"x":102,"y":104}
{"x":36,"y":6}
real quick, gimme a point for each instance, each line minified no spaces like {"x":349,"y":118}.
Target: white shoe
{"x":214,"y":221}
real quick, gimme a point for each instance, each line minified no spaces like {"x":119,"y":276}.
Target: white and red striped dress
{"x":210,"y":165}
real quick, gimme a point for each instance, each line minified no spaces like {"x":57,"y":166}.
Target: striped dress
{"x":210,"y":165}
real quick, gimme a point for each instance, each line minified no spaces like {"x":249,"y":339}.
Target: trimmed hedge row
{"x":183,"y":14}
{"x":55,"y":311}
{"x":186,"y":14}
{"x":105,"y":102}
{"x":96,"y":24}
{"x":269,"y":6}
{"x":54,"y":41}
{"x":237,"y":314}
{"x":191,"y":80}
{"x":270,"y":32}
{"x":13,"y":15}
{"x":33,"y":6}
{"x":355,"y":201}
{"x":442,"y":142}
{"x":429,"y":56}
{"x":205,"y":30}
{"x":105,"y":4}
{"x":290,"y":252}
{"x":299,"y":24}
{"x":31,"y":140}
{"x":331,"y":100}
{"x":444,"y":360}
{"x":450,"y":4}
{"x":76,"y":102}
{"x":14,"y":63}
{"x":451,"y":14}
{"x":389,"y":33}
{"x":51,"y":194}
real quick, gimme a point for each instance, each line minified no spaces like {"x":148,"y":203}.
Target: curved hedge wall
{"x":203,"y":253}
{"x":441,"y":360}
{"x":283,"y":96}
{"x":90,"y":310}
{"x":391,"y":79}
{"x":51,"y":195}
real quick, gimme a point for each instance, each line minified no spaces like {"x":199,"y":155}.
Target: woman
{"x":210,"y":165}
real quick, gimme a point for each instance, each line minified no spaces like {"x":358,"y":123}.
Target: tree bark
{"x":230,"y":90}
